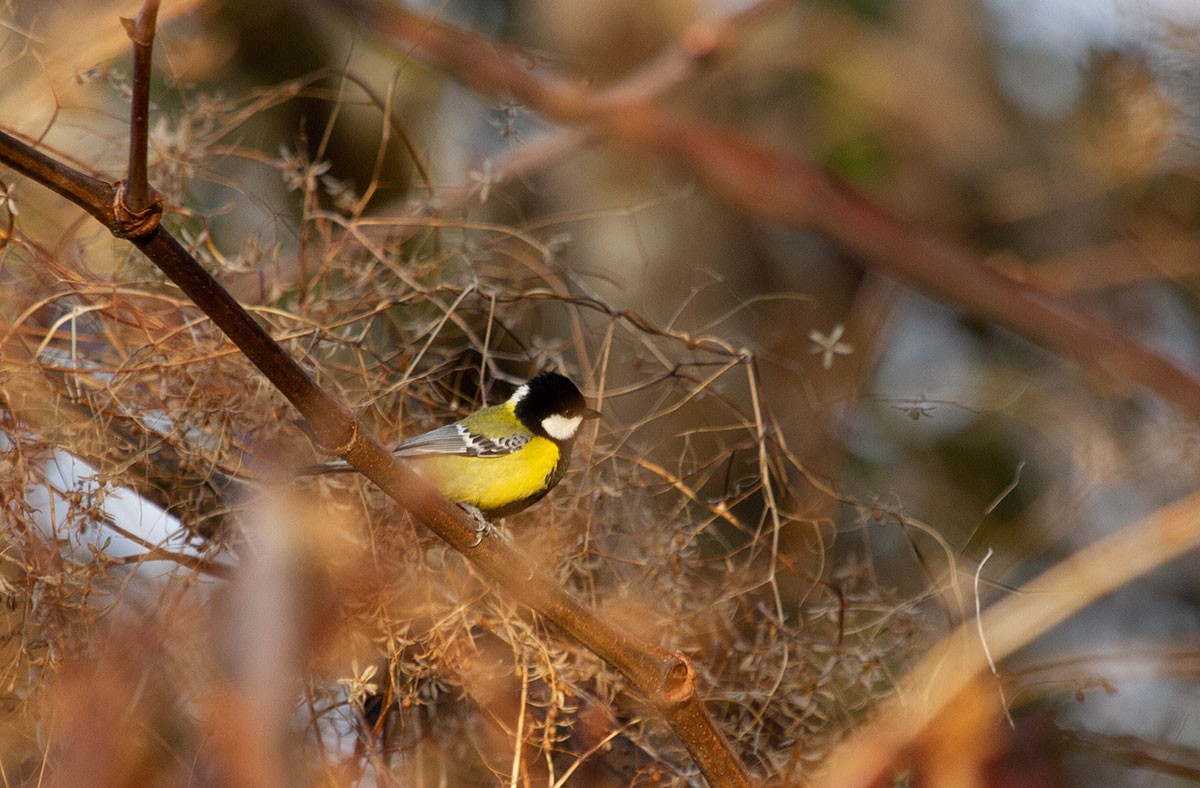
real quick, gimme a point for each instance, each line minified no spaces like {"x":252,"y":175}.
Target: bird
{"x":501,"y":459}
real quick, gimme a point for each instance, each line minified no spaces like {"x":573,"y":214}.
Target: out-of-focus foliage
{"x":802,"y":463}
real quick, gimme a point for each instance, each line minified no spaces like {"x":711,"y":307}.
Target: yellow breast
{"x":493,"y":484}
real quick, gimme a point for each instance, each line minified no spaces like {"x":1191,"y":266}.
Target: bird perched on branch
{"x":503,"y":458}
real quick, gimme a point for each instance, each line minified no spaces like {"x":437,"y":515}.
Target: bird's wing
{"x":457,"y":439}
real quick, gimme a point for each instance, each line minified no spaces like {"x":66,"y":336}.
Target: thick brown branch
{"x":92,"y":194}
{"x":665,"y":680}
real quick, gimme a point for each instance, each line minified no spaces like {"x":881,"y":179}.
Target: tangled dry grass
{"x":669,"y":531}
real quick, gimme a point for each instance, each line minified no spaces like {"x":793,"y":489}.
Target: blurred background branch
{"x":796,"y":194}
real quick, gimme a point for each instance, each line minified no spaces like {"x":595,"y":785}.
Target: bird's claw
{"x":482,"y":525}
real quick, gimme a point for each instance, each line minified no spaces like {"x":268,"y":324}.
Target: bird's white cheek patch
{"x":561,"y":428}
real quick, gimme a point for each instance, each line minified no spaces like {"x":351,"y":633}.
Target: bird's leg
{"x":483,"y":526}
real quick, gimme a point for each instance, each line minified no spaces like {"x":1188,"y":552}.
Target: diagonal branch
{"x":802,"y":195}
{"x":870,"y":755}
{"x":666,"y":680}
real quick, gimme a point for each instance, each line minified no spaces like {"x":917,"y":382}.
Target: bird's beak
{"x":591,"y":414}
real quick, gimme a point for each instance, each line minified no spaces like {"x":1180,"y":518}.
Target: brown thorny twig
{"x":795,"y":193}
{"x":666,"y":680}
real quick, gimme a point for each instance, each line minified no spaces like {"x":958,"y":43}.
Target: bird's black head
{"x":551,"y":406}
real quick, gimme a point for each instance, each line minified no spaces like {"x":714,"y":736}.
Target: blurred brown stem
{"x":797,"y":194}
{"x":869,"y":756}
{"x":1156,"y":757}
{"x":699,"y":47}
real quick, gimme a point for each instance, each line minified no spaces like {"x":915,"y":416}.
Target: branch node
{"x":135,"y":224}
{"x":134,"y":33}
{"x":140,"y":29}
{"x":679,"y":682}
{"x":337,"y":451}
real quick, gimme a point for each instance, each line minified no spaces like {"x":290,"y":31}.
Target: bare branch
{"x":140,"y":30}
{"x":665,"y":680}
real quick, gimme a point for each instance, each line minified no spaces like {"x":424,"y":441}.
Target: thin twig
{"x":140,"y":30}
{"x":987,"y":652}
